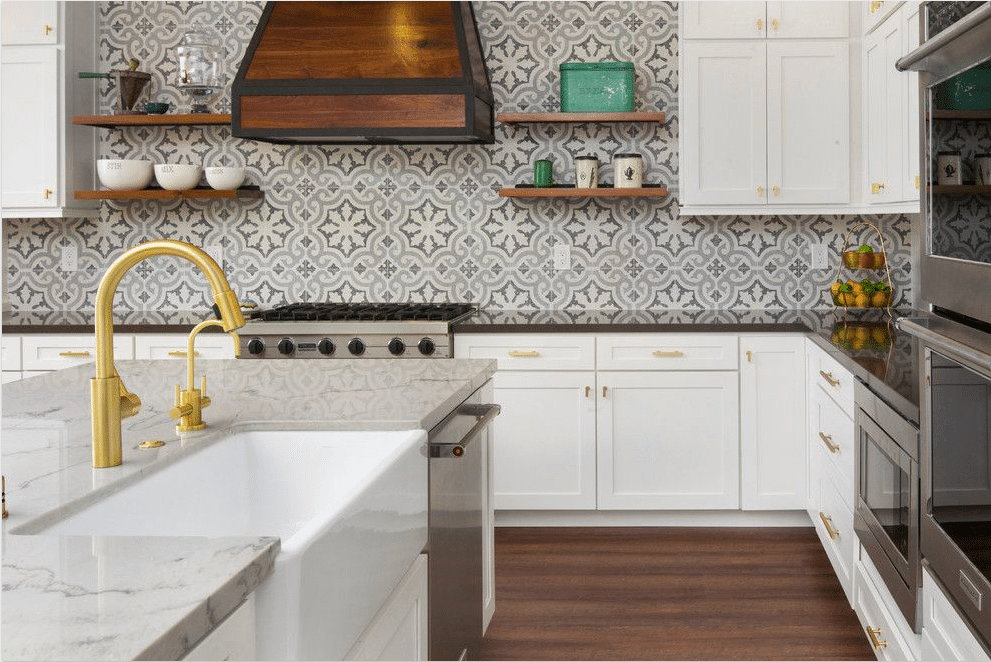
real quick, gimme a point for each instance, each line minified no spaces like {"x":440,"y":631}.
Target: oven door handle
{"x":484,"y":415}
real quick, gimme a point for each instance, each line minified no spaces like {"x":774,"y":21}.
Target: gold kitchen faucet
{"x":189,"y":404}
{"x":111,"y":402}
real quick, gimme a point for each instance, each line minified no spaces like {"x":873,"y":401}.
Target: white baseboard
{"x":766,"y":518}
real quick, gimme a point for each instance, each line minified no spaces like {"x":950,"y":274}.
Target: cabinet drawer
{"x":44,"y":352}
{"x":528,"y":351}
{"x":832,"y":432}
{"x":839,"y":540}
{"x":945,"y":634}
{"x":10,"y":352}
{"x":655,"y":351}
{"x":887,"y":641}
{"x":833,"y":378}
{"x":173,"y":346}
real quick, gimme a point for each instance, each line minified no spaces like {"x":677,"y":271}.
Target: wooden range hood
{"x":364,"y":72}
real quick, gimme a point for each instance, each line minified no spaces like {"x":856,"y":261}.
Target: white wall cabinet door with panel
{"x":668,"y":440}
{"x":808,"y":20}
{"x":45,"y":157}
{"x":757,"y":20}
{"x":772,"y":423}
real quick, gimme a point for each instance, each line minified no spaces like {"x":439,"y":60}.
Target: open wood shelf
{"x":961,"y":114}
{"x":117,"y":121}
{"x":202,"y":193}
{"x":533,"y":118}
{"x":604,"y":192}
{"x":961,"y":189}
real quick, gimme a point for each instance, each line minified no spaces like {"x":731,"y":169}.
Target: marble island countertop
{"x":79,"y":598}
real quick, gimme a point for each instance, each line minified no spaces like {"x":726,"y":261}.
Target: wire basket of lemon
{"x":864,"y":293}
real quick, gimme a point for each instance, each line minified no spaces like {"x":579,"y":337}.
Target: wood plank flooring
{"x":668,"y":594}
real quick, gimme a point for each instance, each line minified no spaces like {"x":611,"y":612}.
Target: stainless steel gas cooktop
{"x":341,"y":330}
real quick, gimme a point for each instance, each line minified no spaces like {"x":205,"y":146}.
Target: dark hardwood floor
{"x":668,"y":594}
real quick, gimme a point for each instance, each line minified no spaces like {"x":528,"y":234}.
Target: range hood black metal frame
{"x":471,"y":133}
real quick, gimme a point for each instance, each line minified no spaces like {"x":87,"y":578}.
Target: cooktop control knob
{"x":256,"y":346}
{"x":287,"y":346}
{"x":356,"y":346}
{"x":426,"y":346}
{"x":326,"y":347}
{"x":397,"y":346}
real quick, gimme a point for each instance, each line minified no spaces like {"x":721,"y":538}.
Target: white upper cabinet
{"x":875,"y":11}
{"x":911,"y":39}
{"x":24,"y":23}
{"x":808,"y":122}
{"x":725,"y":20}
{"x":724,"y":123}
{"x":45,"y":158}
{"x":808,"y":20}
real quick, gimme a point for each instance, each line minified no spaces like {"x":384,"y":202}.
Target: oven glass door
{"x":961,"y":458}
{"x":887,"y":476}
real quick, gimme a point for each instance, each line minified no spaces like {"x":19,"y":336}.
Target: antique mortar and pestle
{"x":130,"y":83}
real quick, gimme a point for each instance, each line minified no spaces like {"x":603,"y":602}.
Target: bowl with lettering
{"x":177,"y":176}
{"x":124,"y":174}
{"x":224,"y":178}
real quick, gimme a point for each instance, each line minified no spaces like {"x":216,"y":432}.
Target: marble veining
{"x":46,"y":459}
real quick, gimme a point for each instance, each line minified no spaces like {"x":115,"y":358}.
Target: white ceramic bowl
{"x":177,"y":176}
{"x":124,"y":174}
{"x":223,"y":178}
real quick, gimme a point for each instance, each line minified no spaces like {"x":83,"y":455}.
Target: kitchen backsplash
{"x":421,"y":223}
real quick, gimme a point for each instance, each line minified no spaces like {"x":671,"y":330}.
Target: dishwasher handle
{"x":483,"y":415}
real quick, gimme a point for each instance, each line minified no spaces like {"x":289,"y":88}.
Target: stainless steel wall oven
{"x":887,"y":512}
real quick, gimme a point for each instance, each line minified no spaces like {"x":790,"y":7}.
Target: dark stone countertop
{"x":865,"y":342}
{"x":125,"y":321}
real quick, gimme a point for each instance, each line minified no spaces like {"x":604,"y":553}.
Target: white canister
{"x":982,"y":169}
{"x":586,"y":172}
{"x":628,"y":170}
{"x":948,"y":171}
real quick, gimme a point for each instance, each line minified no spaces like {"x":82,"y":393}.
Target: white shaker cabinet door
{"x":26,"y":23}
{"x":668,"y":440}
{"x":772,"y":423}
{"x":724,"y":20}
{"x":808,"y":122}
{"x":543,"y":448}
{"x":29,"y":135}
{"x":807,"y":19}
{"x":911,"y":35}
{"x":885,"y":113}
{"x":724,"y":123}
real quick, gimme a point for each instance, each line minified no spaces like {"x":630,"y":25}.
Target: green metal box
{"x":588,"y":87}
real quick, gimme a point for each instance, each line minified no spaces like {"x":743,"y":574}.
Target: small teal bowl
{"x":156,"y":107}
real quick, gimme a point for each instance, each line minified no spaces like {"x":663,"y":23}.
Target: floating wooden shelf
{"x":117,"y":121}
{"x":605,"y":192}
{"x":534,"y":118}
{"x":962,"y":114}
{"x":961,"y":189}
{"x":243,"y":193}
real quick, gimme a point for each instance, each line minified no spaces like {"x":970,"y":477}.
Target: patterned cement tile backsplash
{"x":423,"y":223}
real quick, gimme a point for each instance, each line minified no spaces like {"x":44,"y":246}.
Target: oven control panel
{"x":373,"y":346}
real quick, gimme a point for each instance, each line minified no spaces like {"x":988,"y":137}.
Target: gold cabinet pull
{"x":48,"y":30}
{"x":249,"y":306}
{"x":774,"y":189}
{"x":760,"y":191}
{"x":828,"y":440}
{"x":70,"y":354}
{"x":750,"y":356}
{"x":875,"y":636}
{"x":673,"y":354}
{"x":532,"y":354}
{"x":827,"y":521}
{"x":604,"y":391}
{"x":876,"y":6}
{"x":760,"y":25}
{"x":774,"y":24}
{"x":876,"y":188}
{"x":182,"y":353}
{"x":47,"y":193}
{"x":916,"y":182}
{"x":588,"y":391}
{"x":828,"y":376}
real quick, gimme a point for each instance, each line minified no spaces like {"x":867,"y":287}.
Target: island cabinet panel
{"x":399,"y":629}
{"x":544,"y":454}
{"x":233,"y":639}
{"x":772,"y":423}
{"x":885,"y":628}
{"x":945,"y":634}
{"x":668,"y":440}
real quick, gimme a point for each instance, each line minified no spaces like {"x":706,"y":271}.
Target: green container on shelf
{"x":597,"y":87}
{"x":970,"y":90}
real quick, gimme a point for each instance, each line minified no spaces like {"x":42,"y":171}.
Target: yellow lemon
{"x":880,"y":299}
{"x":861,"y":300}
{"x":835,"y":288}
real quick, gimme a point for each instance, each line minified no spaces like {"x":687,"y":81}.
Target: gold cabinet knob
{"x":760,"y":25}
{"x":48,"y":30}
{"x":47,"y":193}
{"x":916,"y":182}
{"x":774,"y":24}
{"x":604,"y":391}
{"x":588,"y":391}
{"x":760,"y":191}
{"x":776,"y":191}
{"x":750,"y":356}
{"x":876,"y":188}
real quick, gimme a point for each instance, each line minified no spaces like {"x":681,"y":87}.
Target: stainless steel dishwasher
{"x":454,"y":549}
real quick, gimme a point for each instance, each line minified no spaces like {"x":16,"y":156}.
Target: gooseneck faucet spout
{"x":110,"y":400}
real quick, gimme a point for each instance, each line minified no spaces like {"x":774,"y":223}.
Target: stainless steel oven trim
{"x":962,"y":45}
{"x":945,"y":559}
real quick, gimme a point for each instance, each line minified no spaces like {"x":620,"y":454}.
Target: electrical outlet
{"x":70,"y":259}
{"x":820,"y":256}
{"x":562,"y":256}
{"x":216,"y":251}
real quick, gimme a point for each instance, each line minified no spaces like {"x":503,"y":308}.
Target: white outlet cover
{"x":820,"y":256}
{"x":69,"y":259}
{"x":562,"y":256}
